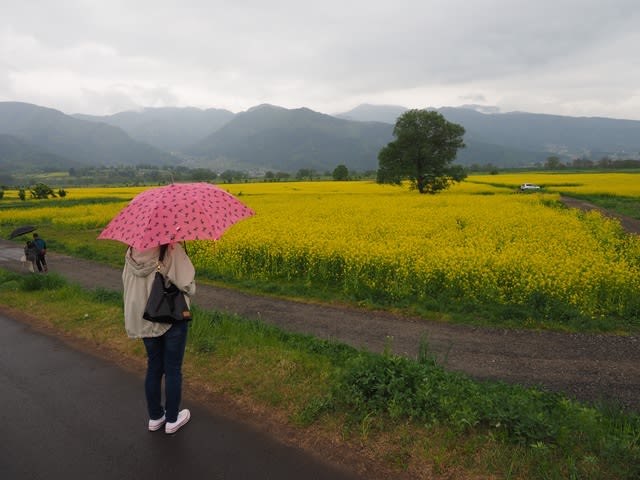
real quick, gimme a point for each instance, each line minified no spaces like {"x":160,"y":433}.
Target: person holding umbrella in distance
{"x":41,"y":246}
{"x":30,"y":255}
{"x":151,"y":225}
{"x":34,"y":251}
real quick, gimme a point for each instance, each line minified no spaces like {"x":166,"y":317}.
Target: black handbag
{"x":166,"y":304}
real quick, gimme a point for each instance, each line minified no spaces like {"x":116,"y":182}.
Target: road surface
{"x":65,"y":414}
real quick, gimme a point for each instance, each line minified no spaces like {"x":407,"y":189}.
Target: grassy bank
{"x":627,"y":206}
{"x":414,"y":415}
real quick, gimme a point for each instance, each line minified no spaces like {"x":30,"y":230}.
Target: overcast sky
{"x":567,"y":57}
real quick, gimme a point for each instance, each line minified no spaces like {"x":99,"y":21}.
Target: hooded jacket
{"x":137,"y":278}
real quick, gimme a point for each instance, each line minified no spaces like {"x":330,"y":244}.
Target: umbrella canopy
{"x":180,"y":211}
{"x":21,"y":231}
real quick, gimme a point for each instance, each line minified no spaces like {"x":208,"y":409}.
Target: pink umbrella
{"x":180,"y":211}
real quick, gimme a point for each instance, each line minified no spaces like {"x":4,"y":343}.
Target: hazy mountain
{"x":374,"y":113}
{"x":171,"y":129}
{"x":281,"y":139}
{"x":389,"y":113}
{"x":17,"y":155}
{"x":478,"y":150}
{"x":483,"y":153}
{"x":571,"y":136}
{"x":77,"y":141}
{"x":480,"y":108}
{"x":519,"y":138}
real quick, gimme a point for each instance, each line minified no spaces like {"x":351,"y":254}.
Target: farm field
{"x":616,"y":184}
{"x":479,"y":250}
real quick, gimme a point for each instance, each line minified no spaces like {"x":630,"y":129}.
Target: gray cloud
{"x":564,"y":56}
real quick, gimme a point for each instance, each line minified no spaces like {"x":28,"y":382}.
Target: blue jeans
{"x":164,"y":358}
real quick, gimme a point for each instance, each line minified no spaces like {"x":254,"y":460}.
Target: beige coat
{"x":137,"y":278}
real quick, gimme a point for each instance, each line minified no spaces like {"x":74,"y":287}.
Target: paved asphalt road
{"x":68,"y":415}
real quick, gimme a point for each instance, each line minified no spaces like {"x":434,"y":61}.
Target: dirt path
{"x":631,"y":225}
{"x":586,"y":367}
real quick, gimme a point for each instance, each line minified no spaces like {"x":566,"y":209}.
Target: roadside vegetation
{"x":627,"y":206}
{"x":479,"y":253}
{"x":412,"y":414}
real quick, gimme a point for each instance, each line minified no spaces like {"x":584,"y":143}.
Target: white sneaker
{"x":157,"y":424}
{"x":183,"y":418}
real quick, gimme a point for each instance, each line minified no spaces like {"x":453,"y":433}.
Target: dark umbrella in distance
{"x":21,"y":231}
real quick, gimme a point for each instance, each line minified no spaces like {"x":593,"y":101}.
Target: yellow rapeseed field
{"x":620,"y":184}
{"x":477,"y":243}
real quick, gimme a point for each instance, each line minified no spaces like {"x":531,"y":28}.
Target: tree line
{"x":37,"y":186}
{"x":554,"y":163}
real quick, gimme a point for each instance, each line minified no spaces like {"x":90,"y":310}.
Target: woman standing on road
{"x":165,"y":343}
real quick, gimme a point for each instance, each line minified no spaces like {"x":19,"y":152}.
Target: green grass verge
{"x":412,"y":414}
{"x":627,"y":206}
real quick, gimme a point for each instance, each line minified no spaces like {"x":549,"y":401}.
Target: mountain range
{"x":170,"y":129}
{"x":267,"y":137}
{"x":287,"y":140}
{"x":31,"y":134}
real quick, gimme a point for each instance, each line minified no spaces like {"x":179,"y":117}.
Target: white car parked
{"x":529,"y":186}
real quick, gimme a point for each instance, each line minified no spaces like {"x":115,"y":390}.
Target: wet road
{"x":66,"y":415}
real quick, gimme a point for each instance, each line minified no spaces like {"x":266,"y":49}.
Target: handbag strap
{"x":163,"y":251}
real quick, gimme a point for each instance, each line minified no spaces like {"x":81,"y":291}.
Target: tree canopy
{"x":425,"y":145}
{"x":42,"y":190}
{"x":341,"y":173}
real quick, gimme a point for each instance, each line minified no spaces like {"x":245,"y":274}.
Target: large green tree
{"x":42,"y":190}
{"x":341,"y":173}
{"x":425,"y":145}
